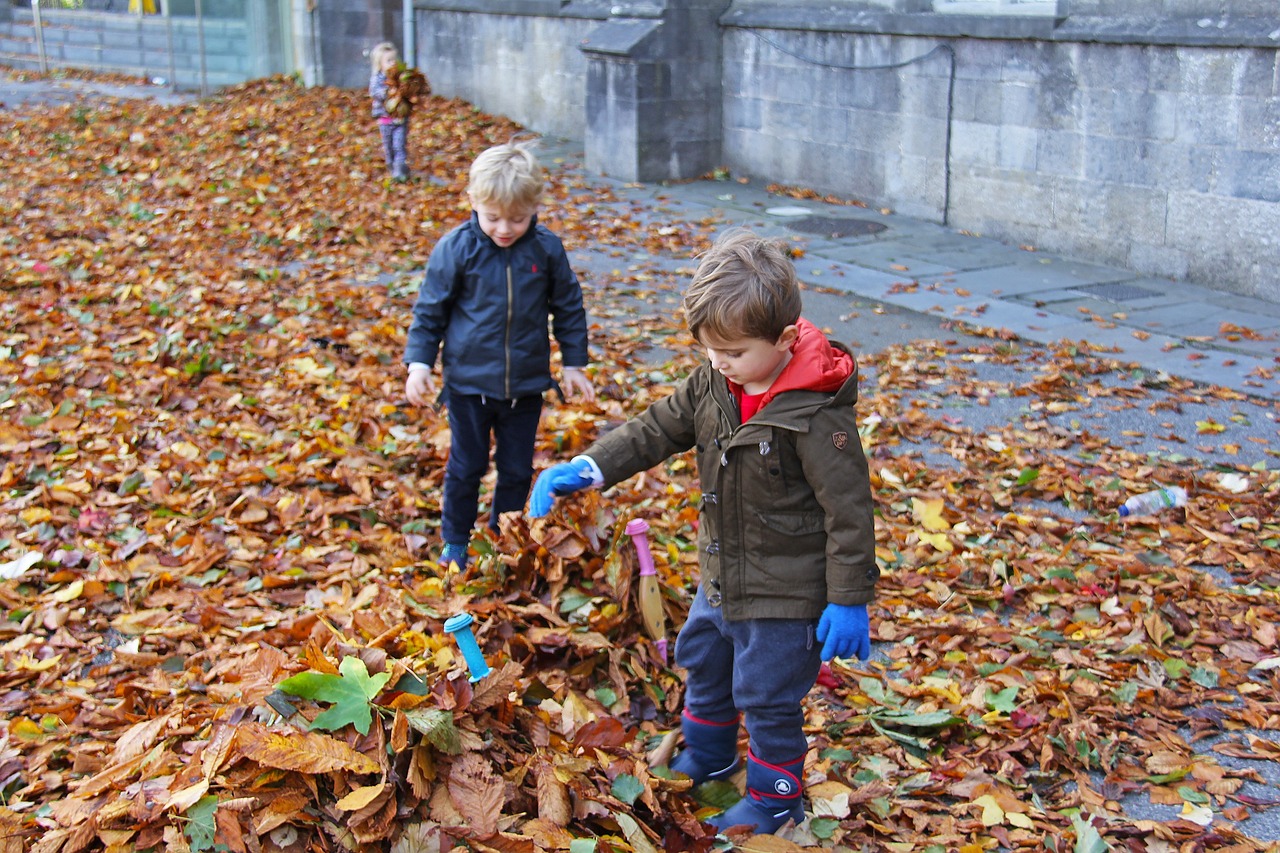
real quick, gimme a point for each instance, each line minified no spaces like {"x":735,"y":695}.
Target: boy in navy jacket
{"x":491,"y":283}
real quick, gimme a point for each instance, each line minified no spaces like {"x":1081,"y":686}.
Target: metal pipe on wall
{"x":40,"y":54}
{"x":410,"y":35}
{"x":204,"y":70}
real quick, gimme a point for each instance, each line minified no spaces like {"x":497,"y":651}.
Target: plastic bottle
{"x":1153,"y":501}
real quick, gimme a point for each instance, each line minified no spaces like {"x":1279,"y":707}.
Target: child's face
{"x":388,"y":63}
{"x":504,"y":227}
{"x":752,"y":363}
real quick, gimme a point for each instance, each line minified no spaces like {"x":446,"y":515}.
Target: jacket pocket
{"x":790,"y":550}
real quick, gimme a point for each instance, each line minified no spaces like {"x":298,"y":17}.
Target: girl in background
{"x":394,"y":128}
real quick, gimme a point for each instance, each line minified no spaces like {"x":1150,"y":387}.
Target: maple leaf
{"x":351,"y":694}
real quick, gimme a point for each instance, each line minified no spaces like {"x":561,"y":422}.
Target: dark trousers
{"x":395,"y":148}
{"x":473,"y":419}
{"x":761,"y":667}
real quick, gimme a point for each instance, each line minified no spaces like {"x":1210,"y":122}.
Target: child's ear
{"x":788,"y":337}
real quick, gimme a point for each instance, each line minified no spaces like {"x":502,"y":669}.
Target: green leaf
{"x":1003,"y":701}
{"x":1175,"y":668}
{"x":1191,"y":795}
{"x":350,"y":694}
{"x":911,"y":719}
{"x":606,"y":696}
{"x":823,"y":828}
{"x":437,"y":727}
{"x":201,"y":828}
{"x":1126,"y":693}
{"x":718,"y":793}
{"x":1028,"y":475}
{"x":582,"y":845}
{"x":1205,"y":676}
{"x":627,"y":788}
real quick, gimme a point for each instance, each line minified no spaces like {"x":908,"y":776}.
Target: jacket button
{"x":724,"y":459}
{"x":714,"y":547}
{"x":714,"y":599}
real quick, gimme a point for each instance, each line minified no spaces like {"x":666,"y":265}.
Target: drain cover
{"x":1117,"y":291}
{"x":830,"y":226}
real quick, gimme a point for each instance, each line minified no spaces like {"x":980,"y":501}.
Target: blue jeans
{"x":761,"y":667}
{"x":473,"y":419}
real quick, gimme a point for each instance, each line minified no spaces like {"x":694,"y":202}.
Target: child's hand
{"x":576,"y":383}
{"x":419,"y":387}
{"x":844,"y":631}
{"x":563,"y":479}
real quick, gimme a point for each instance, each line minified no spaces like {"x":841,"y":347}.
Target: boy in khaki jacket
{"x":786,"y":531}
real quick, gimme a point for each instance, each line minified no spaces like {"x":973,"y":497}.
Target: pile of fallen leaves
{"x":406,"y":88}
{"x":224,"y":627}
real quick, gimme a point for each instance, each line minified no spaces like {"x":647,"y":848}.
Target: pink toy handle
{"x":637,"y":529}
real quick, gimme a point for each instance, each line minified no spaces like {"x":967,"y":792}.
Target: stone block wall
{"x":1139,"y":133}
{"x":526,"y":67}
{"x":347,"y":29}
{"x":1162,"y":158}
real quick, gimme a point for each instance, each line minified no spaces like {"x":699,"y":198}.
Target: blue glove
{"x":563,"y":479}
{"x":844,"y":631}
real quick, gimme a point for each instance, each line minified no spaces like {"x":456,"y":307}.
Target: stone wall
{"x":1129,"y":148}
{"x":347,"y":30}
{"x":1140,"y":133}
{"x":527,"y":67}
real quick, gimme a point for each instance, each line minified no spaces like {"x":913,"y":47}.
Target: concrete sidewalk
{"x":1208,"y":336}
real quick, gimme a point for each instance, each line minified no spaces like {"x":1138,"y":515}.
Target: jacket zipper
{"x":506,"y":354}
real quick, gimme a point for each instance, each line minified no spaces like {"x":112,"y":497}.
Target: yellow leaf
{"x":35,"y":515}
{"x":1203,"y":427}
{"x":992,"y":814}
{"x":25,"y":729}
{"x":27,"y":663}
{"x":307,"y":366}
{"x":360,"y":797}
{"x":185,"y":450}
{"x":188,"y":796}
{"x":69,"y":593}
{"x":939,"y":541}
{"x":929,"y":514}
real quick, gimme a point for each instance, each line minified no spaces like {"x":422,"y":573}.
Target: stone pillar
{"x":653,"y":95}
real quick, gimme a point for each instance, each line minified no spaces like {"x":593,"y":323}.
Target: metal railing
{"x":134,"y":8}
{"x":130,"y":7}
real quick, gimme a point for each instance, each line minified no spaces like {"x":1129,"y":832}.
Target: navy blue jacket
{"x":488,"y":307}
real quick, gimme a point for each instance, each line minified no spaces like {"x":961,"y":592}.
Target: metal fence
{"x":149,"y":46}
{"x":130,"y":7}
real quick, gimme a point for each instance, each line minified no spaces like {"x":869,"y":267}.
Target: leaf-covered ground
{"x":210,"y":486}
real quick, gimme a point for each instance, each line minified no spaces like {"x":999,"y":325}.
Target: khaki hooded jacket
{"x":786,"y":520}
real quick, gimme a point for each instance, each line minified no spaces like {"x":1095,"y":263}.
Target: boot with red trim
{"x":773,"y":797}
{"x":710,"y":749}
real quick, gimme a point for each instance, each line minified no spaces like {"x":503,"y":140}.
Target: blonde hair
{"x":507,"y":176}
{"x":380,"y":52}
{"x":744,"y":287}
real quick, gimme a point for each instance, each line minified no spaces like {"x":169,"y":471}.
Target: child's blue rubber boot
{"x":773,"y":797}
{"x":451,"y":554}
{"x":710,"y":749}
